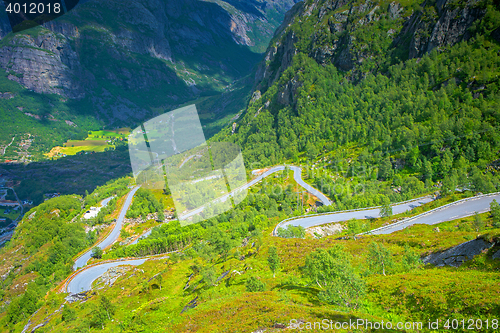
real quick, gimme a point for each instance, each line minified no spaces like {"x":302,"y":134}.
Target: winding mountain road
{"x":82,"y":280}
{"x":296,"y":175}
{"x":456,"y":210}
{"x":359,"y":214}
{"x":113,"y":236}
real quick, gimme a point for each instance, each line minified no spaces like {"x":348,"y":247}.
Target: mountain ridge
{"x":117,"y":63}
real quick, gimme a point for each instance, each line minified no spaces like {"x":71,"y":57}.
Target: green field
{"x":86,"y":143}
{"x":96,"y":141}
{"x":121,"y":132}
{"x":12,"y":215}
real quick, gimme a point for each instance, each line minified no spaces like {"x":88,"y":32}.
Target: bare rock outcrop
{"x":279,"y":55}
{"x":325,"y":230}
{"x":45,"y":63}
{"x":336,"y":38}
{"x":496,"y":255}
{"x":111,"y":275}
{"x":459,"y":254}
{"x":442,"y":25}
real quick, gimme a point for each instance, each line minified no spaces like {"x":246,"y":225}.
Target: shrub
{"x":253,"y":284}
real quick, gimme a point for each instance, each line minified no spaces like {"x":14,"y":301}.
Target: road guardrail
{"x":275,"y":230}
{"x":404,"y":221}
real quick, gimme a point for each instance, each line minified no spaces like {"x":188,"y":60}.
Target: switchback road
{"x":83,"y":280}
{"x":113,"y":236}
{"x":361,"y":214}
{"x":296,"y":175}
{"x":456,"y":210}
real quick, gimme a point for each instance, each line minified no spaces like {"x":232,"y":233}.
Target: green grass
{"x":12,"y":215}
{"x":417,"y":295}
{"x":96,"y":141}
{"x":109,"y":134}
{"x":80,"y":143}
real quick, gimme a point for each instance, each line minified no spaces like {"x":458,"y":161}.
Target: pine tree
{"x":478,"y":222}
{"x":97,"y":252}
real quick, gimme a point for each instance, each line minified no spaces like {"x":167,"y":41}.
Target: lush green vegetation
{"x":373,"y":278}
{"x":406,"y":128}
{"x":407,"y":124}
{"x":145,"y":203}
{"x":40,"y":118}
{"x":96,"y":141}
{"x":430,"y":132}
{"x":50,"y":242}
{"x":40,"y":254}
{"x":214,"y":71}
{"x":257,"y":212}
{"x":292,"y":231}
{"x":115,"y":188}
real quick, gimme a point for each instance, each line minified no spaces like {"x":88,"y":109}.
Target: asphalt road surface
{"x":106,"y":201}
{"x":83,"y":259}
{"x":144,"y":235}
{"x":298,"y":178}
{"x":83,"y":281}
{"x":449,"y":213}
{"x":311,"y":221}
{"x":296,"y":175}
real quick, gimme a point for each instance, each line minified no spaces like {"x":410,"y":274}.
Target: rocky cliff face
{"x":45,"y":63}
{"x":129,"y":56}
{"x":444,"y":24}
{"x":280,"y":54}
{"x":355,"y":36}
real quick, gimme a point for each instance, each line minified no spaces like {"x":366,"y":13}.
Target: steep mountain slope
{"x":399,"y":85}
{"x":363,"y":36}
{"x":369,"y":105}
{"x":124,"y":61}
{"x":41,"y":252}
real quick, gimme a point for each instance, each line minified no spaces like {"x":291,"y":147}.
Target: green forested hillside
{"x":379,"y":102}
{"x":416,"y":111}
{"x":40,"y":254}
{"x":432,"y":117}
{"x":35,"y":123}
